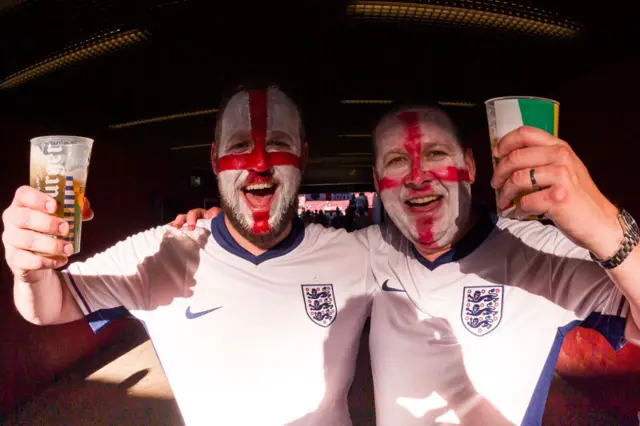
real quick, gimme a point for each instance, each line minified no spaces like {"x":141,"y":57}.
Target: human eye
{"x":437,"y":155}
{"x":239,"y":147}
{"x":395,"y":161}
{"x":276,"y":145}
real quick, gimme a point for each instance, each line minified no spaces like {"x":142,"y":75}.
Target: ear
{"x":375,"y":179}
{"x":214,"y":163}
{"x":304,"y":156}
{"x":470,"y":163}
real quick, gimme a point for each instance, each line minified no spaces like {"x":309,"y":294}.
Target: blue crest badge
{"x":320,"y":303}
{"x":482,"y":308}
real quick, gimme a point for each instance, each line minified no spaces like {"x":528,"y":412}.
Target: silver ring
{"x":534,"y":182}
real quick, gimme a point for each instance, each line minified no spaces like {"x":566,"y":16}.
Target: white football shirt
{"x":473,"y":338}
{"x":243,"y":339}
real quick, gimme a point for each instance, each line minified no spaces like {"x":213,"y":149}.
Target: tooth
{"x":423,"y":200}
{"x":256,"y":186}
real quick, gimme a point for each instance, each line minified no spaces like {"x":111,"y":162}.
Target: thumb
{"x":87,"y":213}
{"x":212,"y":212}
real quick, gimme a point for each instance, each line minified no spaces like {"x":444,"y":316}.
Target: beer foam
{"x":79,"y":176}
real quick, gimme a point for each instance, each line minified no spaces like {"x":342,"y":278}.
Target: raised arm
{"x":33,"y":254}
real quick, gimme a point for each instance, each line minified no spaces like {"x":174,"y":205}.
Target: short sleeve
{"x":133,"y":276}
{"x":583,"y":288}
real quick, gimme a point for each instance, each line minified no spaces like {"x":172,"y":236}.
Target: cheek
{"x":288,"y":177}
{"x":390,"y":179}
{"x":231,"y":178}
{"x":391,"y":199}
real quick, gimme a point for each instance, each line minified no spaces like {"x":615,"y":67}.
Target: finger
{"x":87,"y":213}
{"x":22,"y":261}
{"x":212,"y":212}
{"x":523,"y":137}
{"x":540,"y":203}
{"x":193,"y":216}
{"x":179,"y":221}
{"x":520,"y":182}
{"x":30,"y":197}
{"x":23,"y":239}
{"x":27,"y":218}
{"x":527,"y":158}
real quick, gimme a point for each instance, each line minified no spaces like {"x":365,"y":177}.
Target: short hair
{"x":412,"y":107}
{"x":249,"y":86}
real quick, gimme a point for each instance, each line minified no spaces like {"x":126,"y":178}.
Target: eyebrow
{"x":280,"y":135}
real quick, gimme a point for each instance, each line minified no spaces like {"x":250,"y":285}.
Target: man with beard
{"x":253,"y":318}
{"x":472,"y":309}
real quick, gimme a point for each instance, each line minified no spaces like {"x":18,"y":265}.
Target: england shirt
{"x":244,"y":340}
{"x":473,"y":337}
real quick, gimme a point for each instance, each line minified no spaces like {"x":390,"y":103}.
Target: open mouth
{"x":259,"y":195}
{"x":424,"y":202}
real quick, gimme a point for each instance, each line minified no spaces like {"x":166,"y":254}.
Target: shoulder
{"x":338,"y":243}
{"x":150,"y":241}
{"x":536,"y":235}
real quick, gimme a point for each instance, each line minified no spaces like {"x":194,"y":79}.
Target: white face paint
{"x":423,"y":178}
{"x":258,"y":161}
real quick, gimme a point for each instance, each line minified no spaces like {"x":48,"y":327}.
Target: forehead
{"x":279,"y":114}
{"x":425,"y":125}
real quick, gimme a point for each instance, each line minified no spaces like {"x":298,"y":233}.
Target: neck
{"x":251,"y":247}
{"x":431,"y":254}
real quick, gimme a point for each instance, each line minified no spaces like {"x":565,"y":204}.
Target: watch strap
{"x":629,"y":242}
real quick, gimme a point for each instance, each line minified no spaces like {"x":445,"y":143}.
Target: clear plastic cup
{"x":59,"y":168}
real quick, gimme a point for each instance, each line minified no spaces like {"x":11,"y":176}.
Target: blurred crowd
{"x":355,"y":216}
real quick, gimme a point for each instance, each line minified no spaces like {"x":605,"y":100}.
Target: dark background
{"x":194,"y":50}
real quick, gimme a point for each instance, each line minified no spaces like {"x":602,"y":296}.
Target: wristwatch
{"x":630,"y":240}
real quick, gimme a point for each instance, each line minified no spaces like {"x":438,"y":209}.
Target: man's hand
{"x":29,"y":228}
{"x":567,"y":195}
{"x":192,"y":217}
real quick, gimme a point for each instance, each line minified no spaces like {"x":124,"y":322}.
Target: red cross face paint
{"x":258,"y":161}
{"x":423,"y":181}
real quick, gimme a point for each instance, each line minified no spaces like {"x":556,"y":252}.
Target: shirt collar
{"x":221,"y":234}
{"x":467,"y":244}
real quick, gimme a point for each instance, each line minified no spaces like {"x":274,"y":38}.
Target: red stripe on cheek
{"x":246,"y":161}
{"x":388,"y":183}
{"x":453,"y":174}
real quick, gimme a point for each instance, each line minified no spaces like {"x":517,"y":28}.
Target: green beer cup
{"x":507,"y":113}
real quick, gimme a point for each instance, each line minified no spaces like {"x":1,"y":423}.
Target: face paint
{"x":422,"y":178}
{"x":258,"y":162}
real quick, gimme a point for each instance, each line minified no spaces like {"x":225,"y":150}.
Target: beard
{"x":283,"y":209}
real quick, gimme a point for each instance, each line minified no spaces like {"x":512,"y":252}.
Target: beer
{"x":59,"y":168}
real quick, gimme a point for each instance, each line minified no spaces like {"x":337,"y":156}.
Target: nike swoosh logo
{"x":385,"y":287}
{"x":194,"y":315}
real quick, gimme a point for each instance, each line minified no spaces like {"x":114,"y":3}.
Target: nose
{"x":418,"y":177}
{"x":260,"y":160}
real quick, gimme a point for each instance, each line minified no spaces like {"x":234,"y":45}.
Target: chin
{"x":242,"y":221}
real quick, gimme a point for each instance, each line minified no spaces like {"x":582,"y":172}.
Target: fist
{"x":29,"y":231}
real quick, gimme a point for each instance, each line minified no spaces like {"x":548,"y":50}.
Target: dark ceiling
{"x":320,"y":54}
